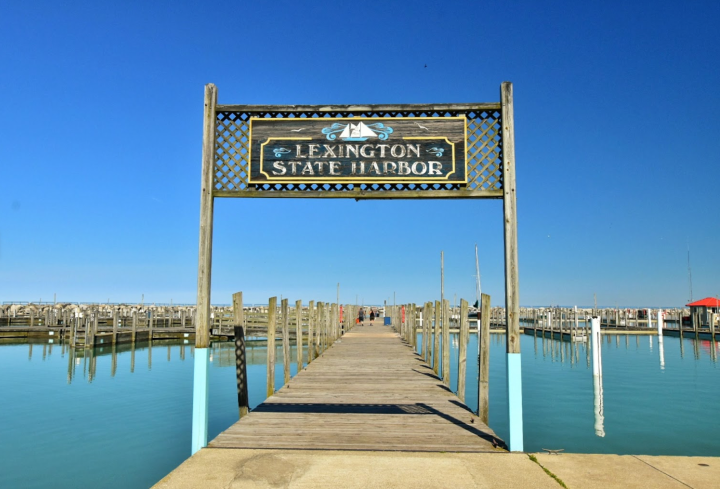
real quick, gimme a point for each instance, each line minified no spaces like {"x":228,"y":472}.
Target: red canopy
{"x":707,"y":302}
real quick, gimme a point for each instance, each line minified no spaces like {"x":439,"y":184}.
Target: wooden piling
{"x":711,"y":318}
{"x":680,"y":325}
{"x":311,"y":332}
{"x":321,"y":327}
{"x":133,"y":334}
{"x":446,"y":343}
{"x":436,"y":340}
{"x":560,"y":322}
{"x":284,"y":311}
{"x":462,"y":349}
{"x":484,"y":360}
{"x":116,"y":318}
{"x":318,"y":329}
{"x":298,"y":335}
{"x":272,"y":317}
{"x":427,"y":324}
{"x":240,"y":355}
{"x":202,"y":322}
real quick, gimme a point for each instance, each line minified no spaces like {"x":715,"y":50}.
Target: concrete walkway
{"x":254,"y":469}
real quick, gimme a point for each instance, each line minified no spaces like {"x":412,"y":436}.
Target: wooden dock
{"x":369,"y":391}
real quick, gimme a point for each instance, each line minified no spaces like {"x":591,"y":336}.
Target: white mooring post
{"x":597,"y":376}
{"x":204,"y":321}
{"x":596,"y":346}
{"x":661,"y":348}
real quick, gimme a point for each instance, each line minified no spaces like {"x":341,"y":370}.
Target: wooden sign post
{"x":430,"y":151}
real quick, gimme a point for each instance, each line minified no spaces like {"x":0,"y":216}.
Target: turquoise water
{"x":122,"y":418}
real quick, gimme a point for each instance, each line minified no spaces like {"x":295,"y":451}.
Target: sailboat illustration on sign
{"x":357,"y":132}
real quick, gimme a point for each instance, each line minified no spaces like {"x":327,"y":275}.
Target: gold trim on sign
{"x":365,"y":180}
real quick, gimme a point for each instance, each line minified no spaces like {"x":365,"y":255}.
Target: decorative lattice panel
{"x":484,"y":153}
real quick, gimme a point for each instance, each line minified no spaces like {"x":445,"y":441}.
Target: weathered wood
{"x":680,"y":324}
{"x":311,"y":331}
{"x":462,"y":349}
{"x":95,"y":322}
{"x":446,"y":342}
{"x":322,"y":338}
{"x":369,"y":392}
{"x":427,"y":321}
{"x":240,"y":356}
{"x":711,"y":317}
{"x":203,"y":325}
{"x":413,"y":325}
{"x":365,"y":195}
{"x":436,"y":338}
{"x":134,"y":325}
{"x":298,"y":335}
{"x":272,"y":318}
{"x":422,"y":108}
{"x":333,"y":318}
{"x":319,"y":329}
{"x":285,"y":312}
{"x":484,"y":359}
{"x":116,"y":317}
{"x":512,"y":280}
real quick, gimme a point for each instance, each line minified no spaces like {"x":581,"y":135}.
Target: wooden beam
{"x":462,"y":349}
{"x":298,"y":335}
{"x":202,"y":331}
{"x":362,"y":194}
{"x":436,"y":338}
{"x":512,"y":280}
{"x":285,"y":311}
{"x":272,"y":317}
{"x":427,"y":319}
{"x":311,"y":331}
{"x":446,"y":342}
{"x":484,"y":360}
{"x":240,"y":356}
{"x":476,"y":106}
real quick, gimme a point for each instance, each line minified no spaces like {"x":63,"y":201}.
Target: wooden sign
{"x":358,"y":149}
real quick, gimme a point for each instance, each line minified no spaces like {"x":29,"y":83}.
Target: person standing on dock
{"x":361,"y":316}
{"x":372,"y":316}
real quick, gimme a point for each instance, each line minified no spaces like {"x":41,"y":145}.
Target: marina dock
{"x":369,"y":391}
{"x":369,"y":412}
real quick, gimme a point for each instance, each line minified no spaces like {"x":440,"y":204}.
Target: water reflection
{"x":598,"y":402}
{"x":557,"y":388}
{"x":222,"y":354}
{"x":662,"y":352}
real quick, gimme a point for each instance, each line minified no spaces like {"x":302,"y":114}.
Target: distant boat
{"x":357,"y":132}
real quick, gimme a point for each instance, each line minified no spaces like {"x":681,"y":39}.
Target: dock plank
{"x":369,"y":391}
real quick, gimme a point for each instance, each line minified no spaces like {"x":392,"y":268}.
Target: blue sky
{"x":617,"y":140}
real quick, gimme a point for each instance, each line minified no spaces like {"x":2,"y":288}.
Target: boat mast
{"x":477,"y":277}
{"x":689,"y":273}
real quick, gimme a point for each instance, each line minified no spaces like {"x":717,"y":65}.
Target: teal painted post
{"x":200,"y":399}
